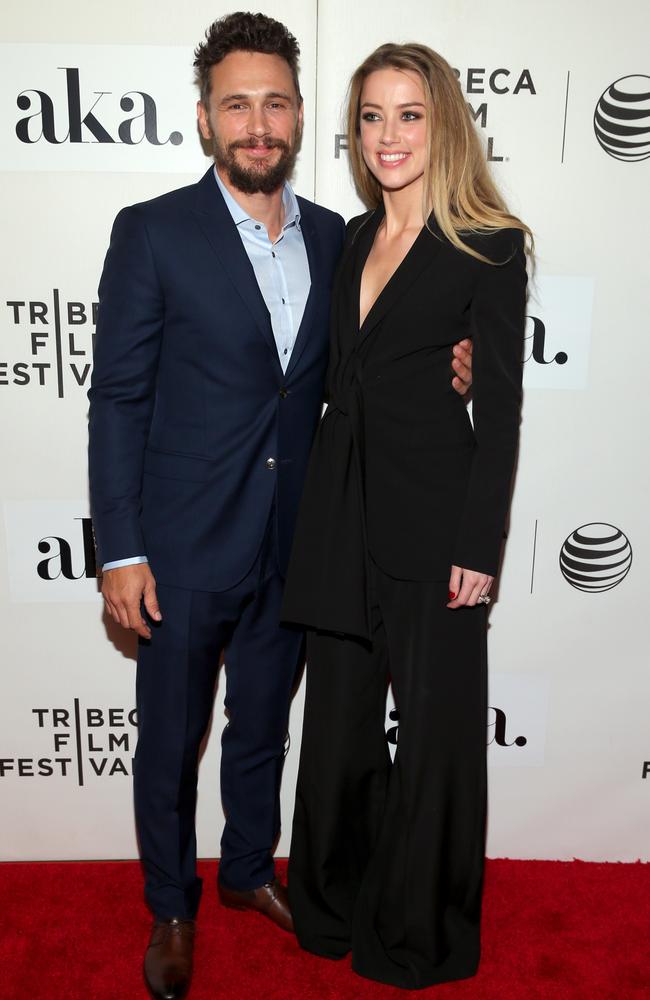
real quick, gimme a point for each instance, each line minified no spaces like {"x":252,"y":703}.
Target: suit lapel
{"x":420,"y":255}
{"x":348,"y":280}
{"x":314,"y":259}
{"x":359,"y":252}
{"x":221,"y":233}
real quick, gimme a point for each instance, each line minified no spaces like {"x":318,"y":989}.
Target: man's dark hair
{"x":244,"y":32}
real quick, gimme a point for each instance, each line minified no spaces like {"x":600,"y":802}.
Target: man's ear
{"x":300,"y":123}
{"x":203,"y":119}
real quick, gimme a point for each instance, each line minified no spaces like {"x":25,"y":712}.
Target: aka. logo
{"x":99,"y":108}
{"x":84,"y":119}
{"x":496,"y":727}
{"x":537,"y":339}
{"x":59,"y":558}
{"x":622,"y":118}
{"x":50,"y":551}
{"x":595,"y":557}
{"x":558,"y":332}
{"x":497,"y":723}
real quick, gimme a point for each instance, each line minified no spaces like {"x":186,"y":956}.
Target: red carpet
{"x":550,"y":929}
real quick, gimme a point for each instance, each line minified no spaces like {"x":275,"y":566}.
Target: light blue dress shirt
{"x":282,"y":273}
{"x":281,"y":268}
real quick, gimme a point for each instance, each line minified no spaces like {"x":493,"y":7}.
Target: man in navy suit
{"x":207,"y":388}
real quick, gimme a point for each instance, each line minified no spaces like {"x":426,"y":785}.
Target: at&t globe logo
{"x":595,"y":557}
{"x":622,"y":118}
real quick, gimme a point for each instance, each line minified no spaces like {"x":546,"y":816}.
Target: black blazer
{"x":397,"y":470}
{"x":195,"y":430}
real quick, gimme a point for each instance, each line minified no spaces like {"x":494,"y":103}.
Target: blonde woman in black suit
{"x":399,"y":536}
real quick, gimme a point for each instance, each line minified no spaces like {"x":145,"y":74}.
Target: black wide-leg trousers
{"x":387,"y":859}
{"x":176,"y":678}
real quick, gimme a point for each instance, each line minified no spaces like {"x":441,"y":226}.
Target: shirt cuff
{"x":133,"y":561}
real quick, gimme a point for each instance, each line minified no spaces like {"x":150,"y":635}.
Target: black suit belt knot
{"x":337,"y":598}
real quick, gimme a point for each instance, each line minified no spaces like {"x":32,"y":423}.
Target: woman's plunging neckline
{"x":389,"y":280}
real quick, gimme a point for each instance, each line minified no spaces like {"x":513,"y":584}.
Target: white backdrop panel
{"x":569,"y":691}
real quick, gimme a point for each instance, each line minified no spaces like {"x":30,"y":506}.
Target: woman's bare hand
{"x":466,"y":586}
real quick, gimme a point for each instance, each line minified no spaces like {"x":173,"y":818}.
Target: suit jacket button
{"x":284,"y":393}
{"x":270,"y":463}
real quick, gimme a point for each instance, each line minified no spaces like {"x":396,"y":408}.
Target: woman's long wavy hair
{"x":458,"y":188}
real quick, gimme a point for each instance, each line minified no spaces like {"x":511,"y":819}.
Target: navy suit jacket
{"x":188,"y":400}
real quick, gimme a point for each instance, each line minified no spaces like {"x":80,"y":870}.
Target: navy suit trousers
{"x":177,"y":672}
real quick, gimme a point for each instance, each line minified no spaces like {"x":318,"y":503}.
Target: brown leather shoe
{"x":270,"y":899}
{"x":168,"y":959}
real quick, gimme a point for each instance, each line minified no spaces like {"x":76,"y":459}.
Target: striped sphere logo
{"x":622,"y":118}
{"x":595,"y":557}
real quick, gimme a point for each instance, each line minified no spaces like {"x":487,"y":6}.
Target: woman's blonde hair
{"x":458,"y":188}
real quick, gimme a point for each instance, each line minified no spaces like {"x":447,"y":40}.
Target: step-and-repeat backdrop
{"x":98,"y":111}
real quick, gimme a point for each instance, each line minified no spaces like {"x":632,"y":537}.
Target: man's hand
{"x":462,"y":365}
{"x":124,"y":588}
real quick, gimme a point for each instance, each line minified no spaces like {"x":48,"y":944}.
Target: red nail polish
{"x":452,"y":596}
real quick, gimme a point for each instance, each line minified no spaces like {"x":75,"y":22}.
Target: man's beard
{"x":259,"y":178}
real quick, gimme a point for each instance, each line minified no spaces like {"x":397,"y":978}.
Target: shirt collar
{"x":239,"y":214}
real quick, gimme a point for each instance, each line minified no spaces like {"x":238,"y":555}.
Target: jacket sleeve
{"x":498,"y":315}
{"x":122,"y":393}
